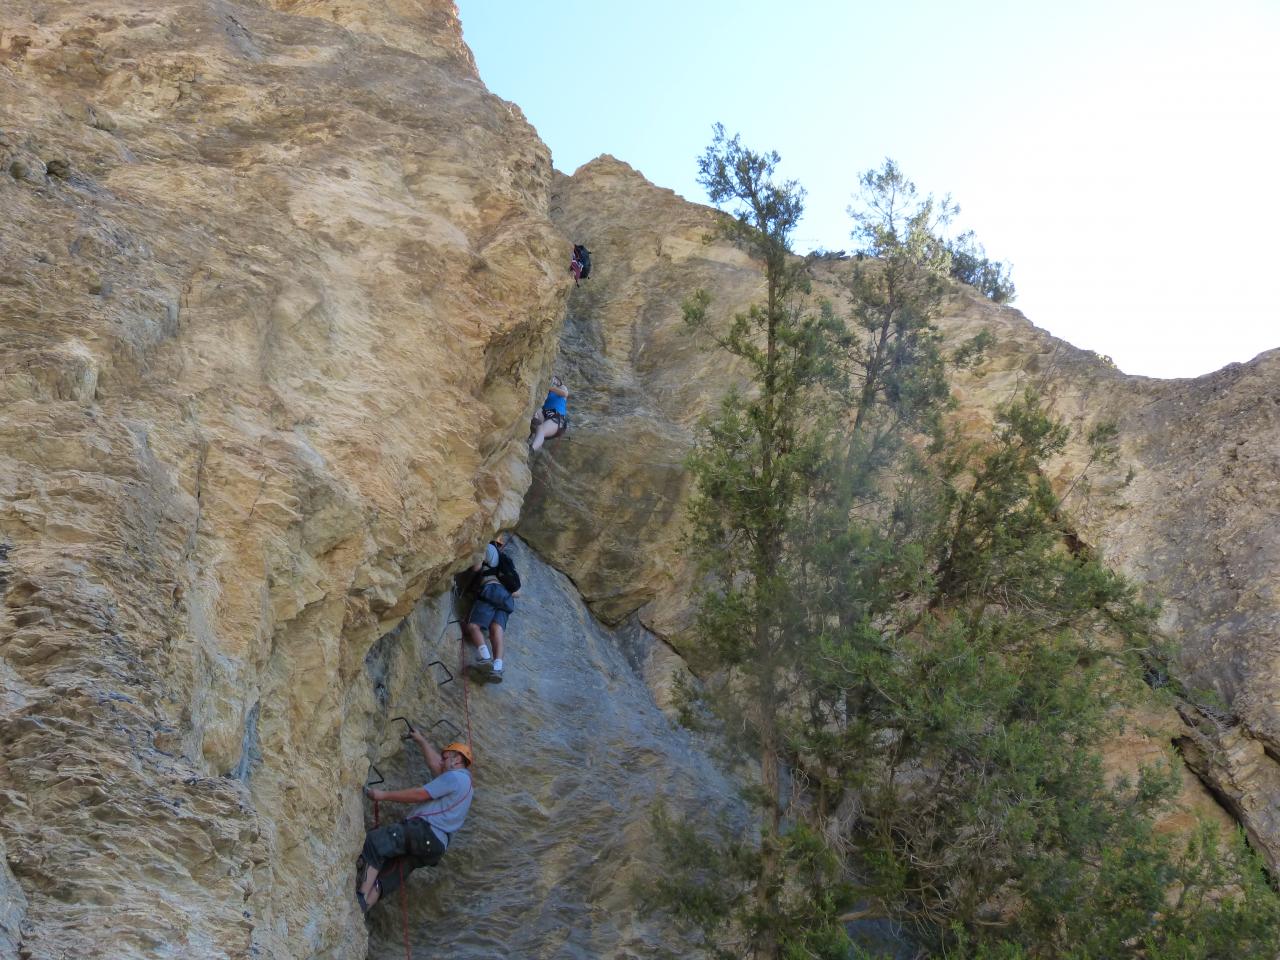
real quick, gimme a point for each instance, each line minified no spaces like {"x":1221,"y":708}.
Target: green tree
{"x":977,"y":659}
{"x":916,"y":650}
{"x":751,"y":468}
{"x":970,"y":264}
{"x":764,"y":466}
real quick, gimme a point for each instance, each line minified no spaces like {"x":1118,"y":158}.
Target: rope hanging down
{"x":404,"y":903}
{"x":466,"y":699}
{"x":466,"y":711}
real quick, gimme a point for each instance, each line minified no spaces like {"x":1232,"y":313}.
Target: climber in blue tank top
{"x":553,"y":419}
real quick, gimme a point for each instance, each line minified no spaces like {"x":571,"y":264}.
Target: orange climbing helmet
{"x":461,"y":749}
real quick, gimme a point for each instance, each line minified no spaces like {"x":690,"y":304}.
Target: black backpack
{"x":505,"y":571}
{"x":584,"y":258}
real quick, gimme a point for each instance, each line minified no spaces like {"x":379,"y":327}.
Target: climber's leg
{"x":548,"y":429}
{"x":495,"y":633}
{"x":381,"y":844}
{"x":478,"y":623}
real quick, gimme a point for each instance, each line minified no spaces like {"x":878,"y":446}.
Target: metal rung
{"x":449,"y":723}
{"x":440,"y":663}
{"x":408,"y":726}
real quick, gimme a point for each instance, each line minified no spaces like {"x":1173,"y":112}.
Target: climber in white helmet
{"x":496,"y":583}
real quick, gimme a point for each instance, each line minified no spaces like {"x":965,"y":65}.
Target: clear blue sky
{"x":1123,"y":155}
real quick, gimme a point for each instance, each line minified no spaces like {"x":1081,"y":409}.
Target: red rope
{"x":404,"y":910}
{"x":404,"y":903}
{"x":466,"y":698}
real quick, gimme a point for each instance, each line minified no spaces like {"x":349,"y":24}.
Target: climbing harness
{"x":561,"y":420}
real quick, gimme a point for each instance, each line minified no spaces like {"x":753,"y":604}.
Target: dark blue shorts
{"x":493,"y":605}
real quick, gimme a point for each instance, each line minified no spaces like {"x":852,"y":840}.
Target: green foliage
{"x":1208,"y":899}
{"x":765,"y":212}
{"x":1103,"y":439}
{"x":970,"y":264}
{"x":707,"y":886}
{"x":897,"y":287}
{"x":914,"y":647}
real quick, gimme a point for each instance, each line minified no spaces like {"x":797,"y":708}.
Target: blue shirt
{"x":556,"y":402}
{"x":450,"y":800}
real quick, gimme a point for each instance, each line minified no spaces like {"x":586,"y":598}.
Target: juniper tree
{"x":905,"y":635}
{"x":958,"y":731}
{"x":763,"y":466}
{"x":750,"y":468}
{"x":970,"y":264}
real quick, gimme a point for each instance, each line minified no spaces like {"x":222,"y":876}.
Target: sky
{"x":1122,"y":155}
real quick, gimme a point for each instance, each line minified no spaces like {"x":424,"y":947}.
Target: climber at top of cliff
{"x":419,"y":840}
{"x":580,"y":263}
{"x":553,"y":419}
{"x":497,"y":582}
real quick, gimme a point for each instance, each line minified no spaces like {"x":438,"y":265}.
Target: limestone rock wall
{"x":278,"y":286}
{"x":280,"y":283}
{"x":608,"y":505}
{"x":1190,"y":509}
{"x":572,"y":756}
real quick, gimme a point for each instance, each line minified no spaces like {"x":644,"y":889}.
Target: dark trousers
{"x":400,"y":848}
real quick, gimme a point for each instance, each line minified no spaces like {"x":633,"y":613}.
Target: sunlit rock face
{"x":1189,"y":509}
{"x":609,"y":500}
{"x":278,"y":286}
{"x":572,"y":755}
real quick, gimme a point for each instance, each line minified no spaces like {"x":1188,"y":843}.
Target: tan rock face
{"x":608,"y":507}
{"x":279,"y":288}
{"x":572,"y":755}
{"x":1196,"y":521}
{"x":277,"y":291}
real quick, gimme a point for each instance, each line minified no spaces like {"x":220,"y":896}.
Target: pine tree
{"x":762,"y":466}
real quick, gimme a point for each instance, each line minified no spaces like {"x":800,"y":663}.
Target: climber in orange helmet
{"x":419,"y":840}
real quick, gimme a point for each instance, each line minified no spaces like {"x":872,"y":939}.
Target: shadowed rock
{"x":572,"y":755}
{"x":1191,"y":509}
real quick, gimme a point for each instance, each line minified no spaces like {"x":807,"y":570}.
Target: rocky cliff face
{"x":276,"y":294}
{"x":281,"y":284}
{"x":573,"y":754}
{"x":1189,"y":510}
